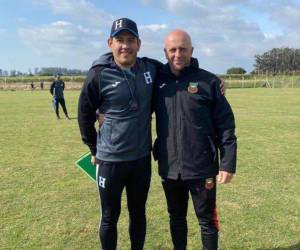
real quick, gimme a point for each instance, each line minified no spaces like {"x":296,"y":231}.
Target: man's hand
{"x":100,"y":118}
{"x":222,"y":87}
{"x":93,"y":159}
{"x":224,"y":177}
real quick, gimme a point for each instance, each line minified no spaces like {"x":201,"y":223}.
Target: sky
{"x":73,"y":33}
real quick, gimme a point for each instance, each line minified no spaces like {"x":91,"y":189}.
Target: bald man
{"x":194,"y":123}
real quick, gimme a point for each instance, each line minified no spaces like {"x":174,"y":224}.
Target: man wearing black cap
{"x":119,"y":85}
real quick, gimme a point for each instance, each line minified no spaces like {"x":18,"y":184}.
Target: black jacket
{"x":125,"y":99}
{"x":57,"y":89}
{"x":194,"y":123}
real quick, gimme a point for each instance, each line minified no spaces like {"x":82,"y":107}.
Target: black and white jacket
{"x":125,"y":100}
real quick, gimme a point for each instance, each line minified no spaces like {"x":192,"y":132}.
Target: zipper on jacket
{"x":181,"y":150}
{"x":175,"y":125}
{"x":177,"y":135}
{"x":138,"y":122}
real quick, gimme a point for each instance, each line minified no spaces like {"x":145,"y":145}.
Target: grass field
{"x":47,"y":203}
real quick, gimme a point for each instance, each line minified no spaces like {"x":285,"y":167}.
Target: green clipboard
{"x":84,"y":164}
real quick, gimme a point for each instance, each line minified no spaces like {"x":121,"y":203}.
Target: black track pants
{"x":204,"y":201}
{"x":61,"y":101}
{"x":112,"y":177}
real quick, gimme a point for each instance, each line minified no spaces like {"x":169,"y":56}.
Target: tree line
{"x":278,"y":61}
{"x":274,"y":61}
{"x":44,"y":71}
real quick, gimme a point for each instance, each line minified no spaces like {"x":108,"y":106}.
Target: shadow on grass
{"x":70,"y":118}
{"x":294,"y":247}
{"x":73,"y":118}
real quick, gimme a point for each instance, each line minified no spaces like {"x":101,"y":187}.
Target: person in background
{"x":32,"y":86}
{"x":57,"y":91}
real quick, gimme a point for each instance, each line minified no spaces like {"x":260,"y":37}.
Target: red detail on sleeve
{"x":215,"y":219}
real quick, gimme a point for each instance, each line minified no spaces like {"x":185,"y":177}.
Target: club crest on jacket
{"x":193,"y":87}
{"x":209,"y":183}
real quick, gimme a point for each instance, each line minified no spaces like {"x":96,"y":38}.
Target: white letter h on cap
{"x":118,"y":24}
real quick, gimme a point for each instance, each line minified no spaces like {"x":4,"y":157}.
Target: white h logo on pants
{"x":101,"y":182}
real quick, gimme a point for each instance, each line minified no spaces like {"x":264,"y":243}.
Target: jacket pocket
{"x":203,"y":152}
{"x":104,"y":136}
{"x":124,"y":136}
{"x":213,"y":147}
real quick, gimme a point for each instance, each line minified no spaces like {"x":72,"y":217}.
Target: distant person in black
{"x":42,"y":85}
{"x":57,"y":91}
{"x":32,"y":86}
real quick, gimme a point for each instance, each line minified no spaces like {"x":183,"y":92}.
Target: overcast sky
{"x":72,"y":33}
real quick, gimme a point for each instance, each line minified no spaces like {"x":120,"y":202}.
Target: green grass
{"x":47,"y":203}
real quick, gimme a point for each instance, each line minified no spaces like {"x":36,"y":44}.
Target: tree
{"x":278,"y":60}
{"x":236,"y":70}
{"x":13,"y":72}
{"x":36,"y":71}
{"x":30,"y":72}
{"x":50,"y":71}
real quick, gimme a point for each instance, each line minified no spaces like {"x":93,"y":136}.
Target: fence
{"x":26,"y":83}
{"x":232,"y":81}
{"x":261,"y":81}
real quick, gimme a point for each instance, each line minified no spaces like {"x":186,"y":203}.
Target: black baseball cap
{"x":124,"y":24}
